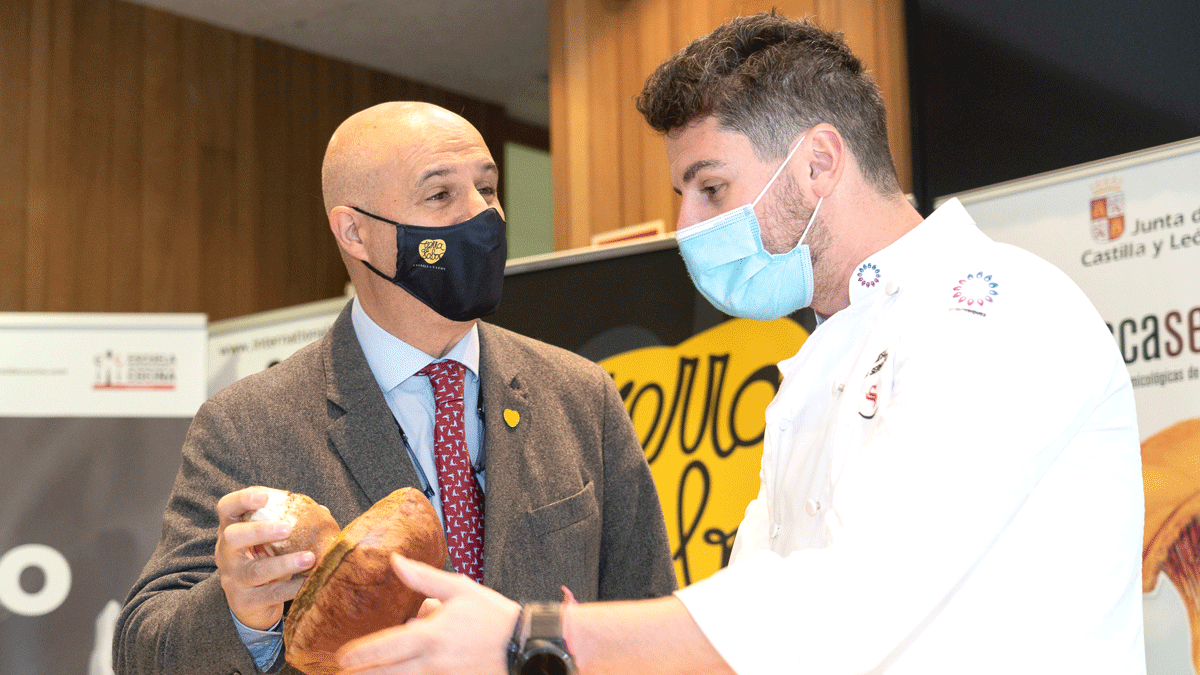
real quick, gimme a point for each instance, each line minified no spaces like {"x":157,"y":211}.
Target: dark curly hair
{"x":770,"y":78}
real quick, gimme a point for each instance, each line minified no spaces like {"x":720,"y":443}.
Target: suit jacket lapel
{"x":508,"y":427}
{"x":362,"y":429}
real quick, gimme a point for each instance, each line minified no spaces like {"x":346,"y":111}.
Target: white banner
{"x":1127,"y":230}
{"x":247,"y":344}
{"x":93,"y":411}
{"x":101,"y":365}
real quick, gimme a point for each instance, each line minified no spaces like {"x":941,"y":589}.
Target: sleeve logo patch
{"x":976,"y":290}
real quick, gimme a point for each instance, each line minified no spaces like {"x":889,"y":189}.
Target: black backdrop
{"x":1007,"y":89}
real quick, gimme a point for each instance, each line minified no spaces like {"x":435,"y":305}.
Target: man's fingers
{"x":260,"y":606}
{"x":231,"y":507}
{"x":269,"y":594}
{"x":428,"y":607}
{"x":245,"y":536}
{"x":388,"y":646}
{"x":263,"y":571}
{"x":428,"y":581}
{"x":282,"y":591}
{"x":466,"y":634}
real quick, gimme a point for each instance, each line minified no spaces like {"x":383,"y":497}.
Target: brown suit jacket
{"x":569,"y":501}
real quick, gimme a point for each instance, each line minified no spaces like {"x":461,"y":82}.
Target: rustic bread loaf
{"x":313,"y":528}
{"x":353,"y":590}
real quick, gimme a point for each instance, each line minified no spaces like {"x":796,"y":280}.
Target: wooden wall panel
{"x":15,"y":129}
{"x":58,"y":253}
{"x":609,"y":168}
{"x":125,"y":178}
{"x":36,"y":182}
{"x":154,"y":163}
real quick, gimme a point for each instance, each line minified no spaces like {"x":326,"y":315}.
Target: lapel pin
{"x":511,"y":417}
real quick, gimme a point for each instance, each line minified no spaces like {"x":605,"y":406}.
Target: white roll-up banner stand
{"x":93,"y":411}
{"x":1127,"y":230}
{"x":244,"y":345}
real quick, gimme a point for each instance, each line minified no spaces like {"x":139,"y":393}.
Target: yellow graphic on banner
{"x":698,"y":409}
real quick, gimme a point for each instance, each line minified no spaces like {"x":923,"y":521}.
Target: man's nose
{"x":476,"y":204}
{"x":687,"y":217}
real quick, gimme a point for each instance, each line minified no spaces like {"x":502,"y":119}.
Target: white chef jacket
{"x":951,"y":480}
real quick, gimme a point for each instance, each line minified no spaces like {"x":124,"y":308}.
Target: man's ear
{"x":344,"y":223}
{"x":827,"y":161}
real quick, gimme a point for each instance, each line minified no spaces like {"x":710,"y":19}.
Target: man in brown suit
{"x":568,"y":495}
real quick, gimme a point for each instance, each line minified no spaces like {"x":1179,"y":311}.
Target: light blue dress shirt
{"x":410,"y":396}
{"x":395,"y":363}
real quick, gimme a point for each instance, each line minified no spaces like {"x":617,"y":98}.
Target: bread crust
{"x":353,"y":590}
{"x":313,"y":528}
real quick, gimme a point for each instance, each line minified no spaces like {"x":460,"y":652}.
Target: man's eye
{"x":711,"y":191}
{"x":440,"y":196}
{"x":487,"y":191}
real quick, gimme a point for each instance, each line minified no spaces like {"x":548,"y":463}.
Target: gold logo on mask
{"x":432,"y":250}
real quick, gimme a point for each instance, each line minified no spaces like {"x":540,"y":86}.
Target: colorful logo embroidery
{"x":868,"y":274}
{"x":976,"y":289}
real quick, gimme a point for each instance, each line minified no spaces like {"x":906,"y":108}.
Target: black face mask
{"x":458,"y":270}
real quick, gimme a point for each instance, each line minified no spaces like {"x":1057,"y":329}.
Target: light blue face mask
{"x":731,"y":269}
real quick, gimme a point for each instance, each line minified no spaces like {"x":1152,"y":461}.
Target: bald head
{"x":370,"y":153}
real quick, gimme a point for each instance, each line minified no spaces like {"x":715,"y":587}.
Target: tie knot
{"x":447,"y":379}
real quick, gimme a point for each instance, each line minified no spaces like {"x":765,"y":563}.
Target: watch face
{"x":545,"y":657}
{"x":545,"y":664}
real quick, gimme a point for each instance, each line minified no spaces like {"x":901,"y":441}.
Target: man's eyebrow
{"x":695,"y":167}
{"x":436,"y":172}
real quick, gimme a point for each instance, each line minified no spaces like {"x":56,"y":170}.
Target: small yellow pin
{"x":511,"y":417}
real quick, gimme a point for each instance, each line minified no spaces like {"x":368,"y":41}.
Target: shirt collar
{"x":887,"y":267}
{"x":393,"y":360}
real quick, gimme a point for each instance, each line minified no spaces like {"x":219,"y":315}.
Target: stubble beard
{"x":790,"y":216}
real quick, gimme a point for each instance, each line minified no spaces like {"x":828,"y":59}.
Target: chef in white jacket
{"x":951,"y":480}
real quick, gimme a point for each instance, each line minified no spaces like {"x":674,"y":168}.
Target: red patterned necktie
{"x":462,"y":500}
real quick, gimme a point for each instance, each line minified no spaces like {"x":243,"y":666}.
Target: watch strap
{"x":538,"y":634}
{"x":545,"y":621}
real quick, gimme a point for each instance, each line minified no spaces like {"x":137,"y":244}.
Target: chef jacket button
{"x":838,"y":387}
{"x":812,"y":506}
{"x":775,"y":527}
{"x":892,"y":288}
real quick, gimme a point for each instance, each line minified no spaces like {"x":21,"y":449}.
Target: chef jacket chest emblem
{"x":869,"y":402}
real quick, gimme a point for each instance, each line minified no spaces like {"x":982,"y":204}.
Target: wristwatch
{"x":537,"y":646}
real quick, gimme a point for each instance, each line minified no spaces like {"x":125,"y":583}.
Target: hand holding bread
{"x":256,"y":583}
{"x":353,"y":591}
{"x":312,"y":526}
{"x":269,"y":540}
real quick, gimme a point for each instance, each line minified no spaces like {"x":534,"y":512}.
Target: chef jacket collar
{"x":884,"y":271}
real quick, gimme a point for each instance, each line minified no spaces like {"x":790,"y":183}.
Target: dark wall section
{"x":1004,"y":90}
